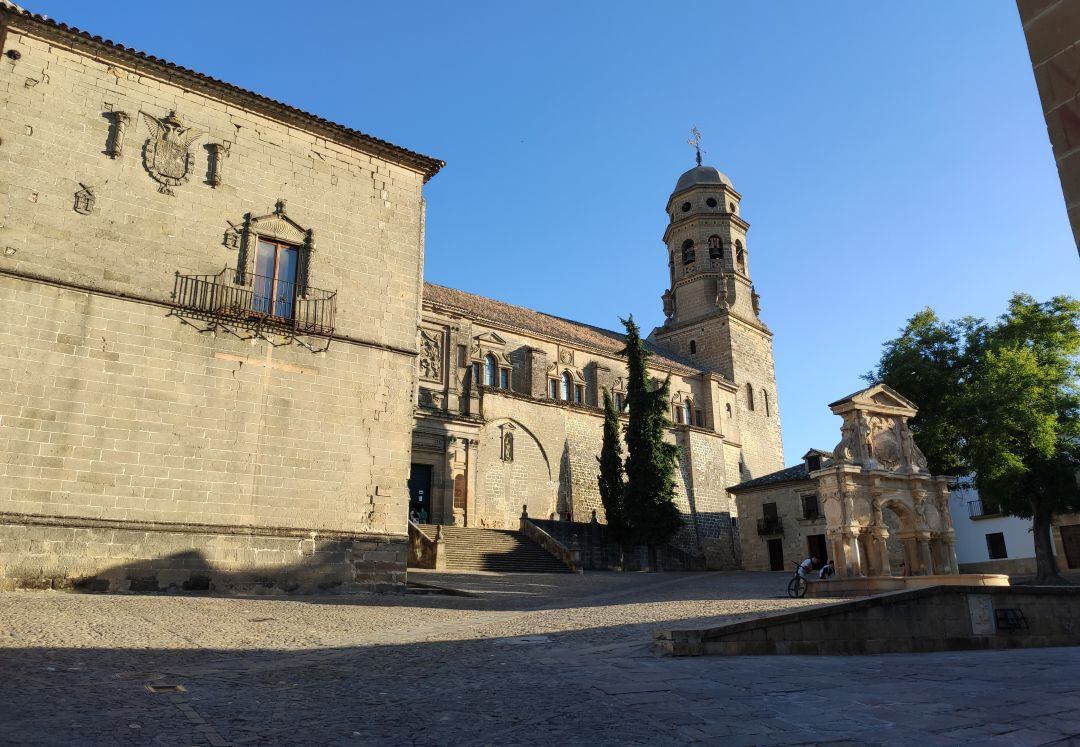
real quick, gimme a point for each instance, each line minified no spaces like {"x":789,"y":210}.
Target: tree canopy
{"x":1000,"y":401}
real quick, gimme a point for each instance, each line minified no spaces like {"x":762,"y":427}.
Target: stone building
{"x":208,"y":346}
{"x":212,"y":371}
{"x":870,"y":504}
{"x":509,"y":399}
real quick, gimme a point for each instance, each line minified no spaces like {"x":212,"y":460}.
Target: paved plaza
{"x":526,"y":659}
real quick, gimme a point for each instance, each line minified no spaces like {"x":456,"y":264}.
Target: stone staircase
{"x":502,"y":550}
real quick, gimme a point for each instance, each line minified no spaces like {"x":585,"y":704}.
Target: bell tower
{"x":712,"y":310}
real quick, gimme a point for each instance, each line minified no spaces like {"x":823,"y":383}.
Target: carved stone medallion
{"x":167,"y":152}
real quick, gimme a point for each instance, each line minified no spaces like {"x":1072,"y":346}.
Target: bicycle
{"x":796,"y":587}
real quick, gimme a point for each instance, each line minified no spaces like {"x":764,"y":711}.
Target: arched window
{"x":749,"y":397}
{"x":728,"y":406}
{"x":765,"y":399}
{"x":688,"y":252}
{"x":693,"y":347}
{"x":565,"y":387}
{"x":620,"y":401}
{"x":740,"y":257}
{"x":716,"y":247}
{"x":688,"y":411}
{"x":490,"y":367}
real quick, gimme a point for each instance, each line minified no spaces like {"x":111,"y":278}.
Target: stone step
{"x":506,"y":550}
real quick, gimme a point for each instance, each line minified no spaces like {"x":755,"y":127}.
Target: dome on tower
{"x":701,"y":175}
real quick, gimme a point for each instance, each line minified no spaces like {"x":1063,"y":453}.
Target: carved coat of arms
{"x":167,"y":153}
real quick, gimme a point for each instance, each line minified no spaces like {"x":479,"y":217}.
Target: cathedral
{"x":510,"y":400}
{"x":222,"y":369}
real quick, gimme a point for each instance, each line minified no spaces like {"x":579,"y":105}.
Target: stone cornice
{"x":145,"y":64}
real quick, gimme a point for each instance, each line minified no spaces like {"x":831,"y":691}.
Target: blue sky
{"x":891,"y":156}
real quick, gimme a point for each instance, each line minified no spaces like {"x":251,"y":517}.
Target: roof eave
{"x":264,"y":105}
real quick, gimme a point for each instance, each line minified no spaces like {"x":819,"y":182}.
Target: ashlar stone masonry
{"x":509,"y":400}
{"x":208,"y":346}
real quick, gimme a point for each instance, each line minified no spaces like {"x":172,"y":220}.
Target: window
{"x":686,"y":207}
{"x":995,"y":546}
{"x":749,"y":397}
{"x":716,"y":247}
{"x":620,"y":401}
{"x":711,"y":202}
{"x":688,"y":252}
{"x":810,"y":508}
{"x":564,"y":387}
{"x":728,"y":408}
{"x":553,"y":388}
{"x":765,"y":400}
{"x":813,"y":463}
{"x":768,"y":511}
{"x":504,"y":378}
{"x":699,"y":418}
{"x":579,"y":394}
{"x":693,"y":347}
{"x":688,"y":412}
{"x":678,"y":414}
{"x":490,"y":367}
{"x":740,"y":257}
{"x":274,"y":281}
{"x":476,"y":374}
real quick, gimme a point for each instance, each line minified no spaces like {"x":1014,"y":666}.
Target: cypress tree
{"x":611,"y":472}
{"x":649,"y":494}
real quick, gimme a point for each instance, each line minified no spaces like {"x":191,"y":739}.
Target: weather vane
{"x":695,"y":141}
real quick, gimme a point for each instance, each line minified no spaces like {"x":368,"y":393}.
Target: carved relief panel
{"x":167,"y":152}
{"x":431,"y":354}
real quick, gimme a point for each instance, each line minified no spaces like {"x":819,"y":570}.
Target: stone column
{"x":926,"y":560}
{"x":949,"y":549}
{"x":911,"y":553}
{"x":884,"y":565}
{"x":839,"y":555}
{"x":862,"y":543}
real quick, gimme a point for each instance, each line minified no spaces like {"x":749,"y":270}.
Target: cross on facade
{"x":695,"y":142}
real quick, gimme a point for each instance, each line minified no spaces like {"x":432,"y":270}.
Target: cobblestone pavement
{"x":529,"y":659}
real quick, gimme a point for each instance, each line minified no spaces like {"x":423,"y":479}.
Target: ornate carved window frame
{"x":276,"y":225}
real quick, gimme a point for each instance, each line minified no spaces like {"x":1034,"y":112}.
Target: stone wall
{"x":936,"y":618}
{"x":117,"y":405}
{"x":100,"y":555}
{"x":796,"y":529}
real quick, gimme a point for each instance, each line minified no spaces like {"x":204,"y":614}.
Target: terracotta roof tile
{"x":534,"y":322}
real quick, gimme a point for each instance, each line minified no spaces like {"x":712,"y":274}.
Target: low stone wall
{"x":425,"y":551}
{"x":104,"y":555}
{"x":936,"y":618}
{"x":597,"y":553}
{"x":570,"y":557}
{"x":1009,"y":566}
{"x":868,"y":586}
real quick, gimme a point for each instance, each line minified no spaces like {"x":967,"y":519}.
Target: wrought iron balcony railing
{"x":977,"y":509}
{"x":769,"y":526}
{"x":262,"y":300}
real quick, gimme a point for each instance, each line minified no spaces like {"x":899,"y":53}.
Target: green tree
{"x":649,"y":494}
{"x":929,"y":363}
{"x":1000,"y":401}
{"x":611,"y":472}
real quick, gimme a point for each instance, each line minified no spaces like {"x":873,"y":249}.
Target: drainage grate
{"x":166,"y":688}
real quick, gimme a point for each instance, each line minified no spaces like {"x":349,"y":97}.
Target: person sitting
{"x":827,"y":571}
